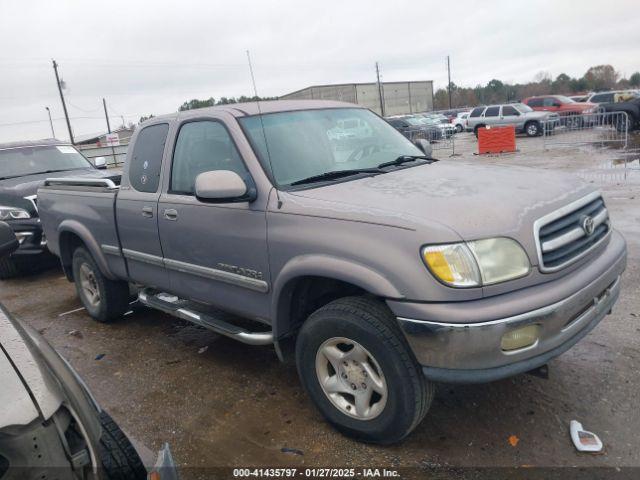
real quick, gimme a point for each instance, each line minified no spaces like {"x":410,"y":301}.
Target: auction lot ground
{"x":235,"y":405}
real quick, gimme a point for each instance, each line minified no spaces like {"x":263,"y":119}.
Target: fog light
{"x":520,"y":338}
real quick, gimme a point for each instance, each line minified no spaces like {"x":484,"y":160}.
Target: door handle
{"x":171,"y":214}
{"x":147,"y":212}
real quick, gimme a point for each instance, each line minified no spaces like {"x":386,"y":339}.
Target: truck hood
{"x":28,"y":184}
{"x":475,"y":201}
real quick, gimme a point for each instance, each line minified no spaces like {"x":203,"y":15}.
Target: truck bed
{"x":84,"y":208}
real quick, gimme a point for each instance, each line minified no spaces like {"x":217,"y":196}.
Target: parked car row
{"x":430,"y":126}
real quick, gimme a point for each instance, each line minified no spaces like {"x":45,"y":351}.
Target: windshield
{"x":19,"y":162}
{"x":305,"y":143}
{"x":413,"y":121}
{"x":564,"y":99}
{"x":522,"y":107}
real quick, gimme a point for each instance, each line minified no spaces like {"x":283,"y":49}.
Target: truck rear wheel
{"x":356,"y":366}
{"x":105,"y":300}
{"x":532,"y":129}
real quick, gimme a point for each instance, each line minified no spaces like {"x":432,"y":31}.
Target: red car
{"x":563,"y":106}
{"x":560,"y":104}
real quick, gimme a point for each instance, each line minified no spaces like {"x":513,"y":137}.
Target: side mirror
{"x":100,"y":163}
{"x":223,"y":186}
{"x":425,"y":146}
{"x":8,"y":241}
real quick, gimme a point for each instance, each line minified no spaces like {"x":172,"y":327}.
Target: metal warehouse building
{"x":398,"y":97}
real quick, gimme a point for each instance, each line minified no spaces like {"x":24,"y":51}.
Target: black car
{"x":414,"y":132}
{"x":24,"y":166}
{"x":632,"y":109}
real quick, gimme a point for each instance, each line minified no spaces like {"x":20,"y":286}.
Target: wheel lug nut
{"x":345,"y":363}
{"x":353,"y":386}
{"x":364,"y":385}
{"x":364,"y":373}
{"x":344,"y":375}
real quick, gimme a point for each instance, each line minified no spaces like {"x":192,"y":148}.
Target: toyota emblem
{"x":587,"y":225}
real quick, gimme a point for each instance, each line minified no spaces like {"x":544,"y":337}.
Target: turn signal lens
{"x":452,"y":264}
{"x":520,"y":338}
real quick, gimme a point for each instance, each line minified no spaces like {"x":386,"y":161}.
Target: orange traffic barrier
{"x":496,"y":139}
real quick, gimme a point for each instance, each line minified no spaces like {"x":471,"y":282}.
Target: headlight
{"x":13,"y":213}
{"x":473,"y":264}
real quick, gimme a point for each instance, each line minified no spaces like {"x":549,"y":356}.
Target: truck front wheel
{"x":356,"y":366}
{"x":105,"y":300}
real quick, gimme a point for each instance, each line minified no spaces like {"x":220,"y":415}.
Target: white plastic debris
{"x":583,"y":440}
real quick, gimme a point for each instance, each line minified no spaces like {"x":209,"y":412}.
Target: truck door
{"x":215,"y":253}
{"x":137,"y":208}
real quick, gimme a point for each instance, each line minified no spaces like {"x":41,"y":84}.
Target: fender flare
{"x":328,"y":267}
{"x":75,"y":227}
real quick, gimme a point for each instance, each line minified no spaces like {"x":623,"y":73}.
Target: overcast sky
{"x":149,"y":57}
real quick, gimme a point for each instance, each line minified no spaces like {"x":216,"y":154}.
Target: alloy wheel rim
{"x":351,"y":378}
{"x":89,"y":285}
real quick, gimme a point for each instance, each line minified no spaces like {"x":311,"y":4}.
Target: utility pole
{"x":64,"y":105}
{"x":380,"y":90}
{"x":106,"y":115}
{"x":449,"y":84}
{"x":53,"y":134}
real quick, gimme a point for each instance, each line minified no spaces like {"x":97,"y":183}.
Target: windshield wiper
{"x":403,"y":159}
{"x":39,"y":173}
{"x":336,"y":174}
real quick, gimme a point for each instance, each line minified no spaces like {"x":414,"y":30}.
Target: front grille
{"x":569,"y":233}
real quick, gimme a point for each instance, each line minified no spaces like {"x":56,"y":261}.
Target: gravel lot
{"x":221,"y":403}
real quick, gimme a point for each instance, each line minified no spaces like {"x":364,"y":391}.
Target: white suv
{"x":521,"y":116}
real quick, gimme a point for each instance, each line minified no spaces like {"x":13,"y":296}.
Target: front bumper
{"x":470,"y":351}
{"x":30,"y":236}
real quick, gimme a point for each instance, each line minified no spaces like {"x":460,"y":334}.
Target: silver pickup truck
{"x":382,"y":270}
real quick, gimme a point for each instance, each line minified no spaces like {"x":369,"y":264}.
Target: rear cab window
{"x":146,"y":160}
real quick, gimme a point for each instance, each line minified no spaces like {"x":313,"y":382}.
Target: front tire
{"x":459,"y":128}
{"x":105,"y":300}
{"x":356,"y":366}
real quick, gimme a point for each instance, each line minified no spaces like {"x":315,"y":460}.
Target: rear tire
{"x":459,"y":128}
{"x":8,"y":268}
{"x":119,"y":458}
{"x":532,"y":129}
{"x":376,"y":392}
{"x":105,"y":300}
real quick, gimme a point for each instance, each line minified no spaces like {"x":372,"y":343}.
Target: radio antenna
{"x":264,"y":133}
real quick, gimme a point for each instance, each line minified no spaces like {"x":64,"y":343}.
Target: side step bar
{"x":150,"y":298}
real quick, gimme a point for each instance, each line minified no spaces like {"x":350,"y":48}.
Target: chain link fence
{"x":114,"y":156}
{"x":601,"y":128}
